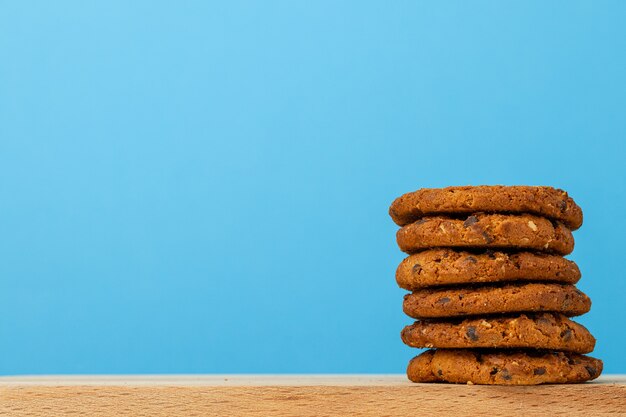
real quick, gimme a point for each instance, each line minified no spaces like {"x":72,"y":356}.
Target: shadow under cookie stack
{"x":490,"y":288}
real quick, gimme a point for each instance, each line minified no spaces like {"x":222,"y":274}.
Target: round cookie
{"x":467,"y":301}
{"x":550,"y":331}
{"x":502,"y":367}
{"x":488,"y":231}
{"x":542,"y":201}
{"x":437,"y":267}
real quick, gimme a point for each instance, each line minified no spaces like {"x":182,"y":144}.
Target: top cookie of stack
{"x":548,"y":202}
{"x":486,"y":271}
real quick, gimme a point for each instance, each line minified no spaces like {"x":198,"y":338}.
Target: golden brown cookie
{"x":549,"y":331}
{"x":496,"y":299}
{"x":437,"y":267}
{"x":542,"y":201}
{"x":502,"y":367}
{"x":487,"y":231}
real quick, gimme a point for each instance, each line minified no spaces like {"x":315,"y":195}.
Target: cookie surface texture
{"x":542,"y":201}
{"x":505,"y":299}
{"x":547,"y":331}
{"x":486,"y":231}
{"x":502,"y":367}
{"x":437,"y":267}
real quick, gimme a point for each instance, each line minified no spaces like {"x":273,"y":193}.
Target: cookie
{"x":542,"y":201}
{"x":451,"y":267}
{"x":488,"y":231}
{"x":502,"y":367}
{"x":519,"y":298}
{"x":549,"y":331}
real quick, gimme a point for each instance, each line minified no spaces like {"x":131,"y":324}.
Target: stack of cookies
{"x":490,"y":289}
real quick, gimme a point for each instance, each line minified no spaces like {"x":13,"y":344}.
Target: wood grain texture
{"x":364,"y":395}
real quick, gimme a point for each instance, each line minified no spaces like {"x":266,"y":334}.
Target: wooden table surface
{"x":298,"y":395}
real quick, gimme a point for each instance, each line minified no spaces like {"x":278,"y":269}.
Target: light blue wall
{"x":203,"y":186}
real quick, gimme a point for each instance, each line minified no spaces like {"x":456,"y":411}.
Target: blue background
{"x":203,"y":186}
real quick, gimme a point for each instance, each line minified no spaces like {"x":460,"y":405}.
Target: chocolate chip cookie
{"x":502,"y":367}
{"x":437,"y":267}
{"x":496,"y":299}
{"x":488,"y":231}
{"x":542,"y":201}
{"x":549,"y":331}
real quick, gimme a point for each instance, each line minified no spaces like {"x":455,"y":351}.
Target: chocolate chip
{"x":562,"y":205}
{"x":471,"y":259}
{"x":417,"y":268}
{"x":539,"y":371}
{"x":566,"y":335}
{"x":505,"y":375}
{"x":443,"y":300}
{"x":488,"y":239}
{"x":592,"y":371}
{"x":543,"y":320}
{"x":493,"y":371}
{"x":490,"y":254}
{"x":461,"y":296}
{"x":471,"y":333}
{"x":470,"y":221}
{"x":440,"y":372}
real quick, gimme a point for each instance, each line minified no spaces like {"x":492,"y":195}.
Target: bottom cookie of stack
{"x":502,"y":367}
